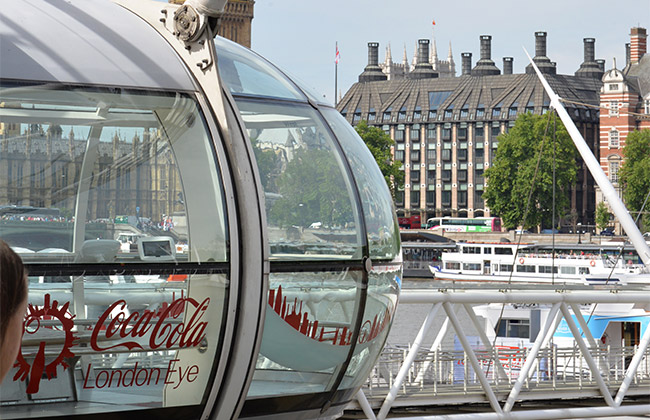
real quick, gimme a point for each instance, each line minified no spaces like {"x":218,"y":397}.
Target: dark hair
{"x":13,"y":285}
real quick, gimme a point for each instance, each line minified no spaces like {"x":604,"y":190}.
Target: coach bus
{"x":465,"y":224}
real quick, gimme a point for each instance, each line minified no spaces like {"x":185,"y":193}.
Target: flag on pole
{"x":338,"y":56}
{"x":434,"y":22}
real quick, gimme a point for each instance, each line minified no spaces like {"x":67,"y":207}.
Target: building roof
{"x":85,"y":42}
{"x":467,"y":93}
{"x":639,"y":75}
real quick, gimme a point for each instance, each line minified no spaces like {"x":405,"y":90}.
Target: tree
{"x":379,"y":144}
{"x":510,"y":177}
{"x":635,"y":173}
{"x":602,"y":216}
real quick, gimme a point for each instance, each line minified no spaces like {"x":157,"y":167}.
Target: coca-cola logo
{"x":150,"y":329}
{"x":179,"y":324}
{"x":50,"y":311}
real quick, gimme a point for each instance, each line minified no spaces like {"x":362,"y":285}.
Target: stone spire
{"x":434,"y":54}
{"x":452,"y":65}
{"x":405,"y":60}
{"x":389,"y":56}
{"x":415,"y":57}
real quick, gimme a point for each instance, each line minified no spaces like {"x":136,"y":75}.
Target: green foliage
{"x":510,"y":177}
{"x":602,"y":216}
{"x":379,"y":144}
{"x":312,"y":189}
{"x":635,"y":173}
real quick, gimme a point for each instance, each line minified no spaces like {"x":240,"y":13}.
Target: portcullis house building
{"x":446,"y":128}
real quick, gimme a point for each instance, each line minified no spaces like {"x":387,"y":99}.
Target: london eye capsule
{"x":204,"y":237}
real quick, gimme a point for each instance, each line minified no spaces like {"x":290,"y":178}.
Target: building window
{"x":613,"y":171}
{"x":431,"y":198}
{"x":462,"y":176}
{"x":446,"y":175}
{"x":462,"y":154}
{"x":402,"y":114}
{"x":415,"y":177}
{"x":399,"y":135}
{"x":646,"y":106}
{"x":415,"y":199}
{"x":496,"y":113}
{"x":371,"y":115}
{"x":417,"y":114}
{"x":415,"y":156}
{"x":613,"y":86}
{"x":496,"y":130}
{"x":462,"y":198}
{"x":431,"y":177}
{"x":462,"y":133}
{"x":387,"y":115}
{"x":464,"y":112}
{"x":480,"y":112}
{"x":479,"y":131}
{"x":446,"y":133}
{"x":432,"y":114}
{"x":613,"y":138}
{"x":415,"y":132}
{"x":431,"y":155}
{"x":448,"y":113}
{"x":399,"y":198}
{"x":446,"y":154}
{"x":512,"y":112}
{"x":446,"y":198}
{"x":613,"y":108}
{"x":431,"y":132}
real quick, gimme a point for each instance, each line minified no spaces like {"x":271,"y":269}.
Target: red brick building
{"x":624,"y":105}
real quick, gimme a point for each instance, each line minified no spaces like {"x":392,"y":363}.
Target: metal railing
{"x":502,"y":377}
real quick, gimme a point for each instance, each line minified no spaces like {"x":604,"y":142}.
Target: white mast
{"x":607,"y":188}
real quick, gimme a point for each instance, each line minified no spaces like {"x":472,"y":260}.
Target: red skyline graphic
{"x":292,"y":314}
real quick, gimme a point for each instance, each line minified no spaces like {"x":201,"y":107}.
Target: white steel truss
{"x":611,"y":388}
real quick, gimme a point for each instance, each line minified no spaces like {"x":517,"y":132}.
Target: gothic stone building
{"x":446,"y":129}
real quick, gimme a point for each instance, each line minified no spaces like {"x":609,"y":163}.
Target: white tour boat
{"x":505,"y":262}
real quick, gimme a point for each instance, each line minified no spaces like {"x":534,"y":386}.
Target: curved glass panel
{"x":307,"y":332}
{"x":246,"y":73}
{"x":378,"y":209}
{"x":384,"y":283}
{"x":113,"y":198}
{"x":310,"y":206}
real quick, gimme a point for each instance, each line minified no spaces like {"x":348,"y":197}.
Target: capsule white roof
{"x":85,"y":42}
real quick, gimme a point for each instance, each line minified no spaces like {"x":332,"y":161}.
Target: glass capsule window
{"x":113,"y":199}
{"x":327,"y":208}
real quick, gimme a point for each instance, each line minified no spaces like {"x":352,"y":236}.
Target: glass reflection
{"x":309,"y":200}
{"x":99,"y":179}
{"x":378,"y":209}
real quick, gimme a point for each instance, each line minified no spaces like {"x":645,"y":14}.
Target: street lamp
{"x":579,"y":232}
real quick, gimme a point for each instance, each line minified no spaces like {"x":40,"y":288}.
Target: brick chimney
{"x":372,"y":72}
{"x":507,"y":65}
{"x":467,"y":63}
{"x":638,"y":44}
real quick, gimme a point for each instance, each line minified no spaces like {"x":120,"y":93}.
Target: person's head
{"x":13,"y":302}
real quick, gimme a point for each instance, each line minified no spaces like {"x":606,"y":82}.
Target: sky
{"x":300,"y":36}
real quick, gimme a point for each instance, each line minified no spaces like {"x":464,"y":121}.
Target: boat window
{"x":472,"y":266}
{"x":506,"y":268}
{"x":583,"y":270}
{"x":567,"y":270}
{"x":452,"y":266}
{"x":503,"y":251}
{"x":310,"y":206}
{"x":487,"y":250}
{"x":547,"y":269}
{"x":519,"y":328}
{"x":113,"y":197}
{"x":471,"y":250}
{"x":525,"y":268}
